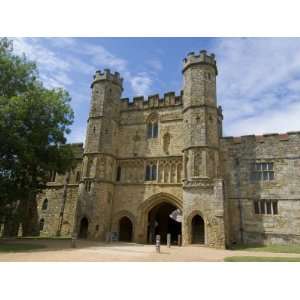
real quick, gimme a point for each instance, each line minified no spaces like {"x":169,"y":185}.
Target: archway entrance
{"x":198,"y":231}
{"x":160,"y":222}
{"x":84,"y":226}
{"x":125,"y":230}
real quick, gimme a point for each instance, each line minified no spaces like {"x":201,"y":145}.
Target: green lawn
{"x":293,"y":248}
{"x":9,"y":247}
{"x":260,"y":259}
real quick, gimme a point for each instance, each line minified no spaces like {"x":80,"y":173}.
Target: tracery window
{"x":52,"y":176}
{"x":151,"y":172}
{"x":152,"y":127}
{"x":77,"y":177}
{"x":119,"y":170}
{"x":45,"y":204}
{"x":87,"y":185}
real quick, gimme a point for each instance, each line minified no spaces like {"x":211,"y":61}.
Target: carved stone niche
{"x":197,"y":163}
{"x":166,"y":142}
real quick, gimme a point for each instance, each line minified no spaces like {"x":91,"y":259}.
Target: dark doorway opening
{"x":125,"y":230}
{"x":160,"y":222}
{"x":83,"y":230}
{"x":198,"y":232}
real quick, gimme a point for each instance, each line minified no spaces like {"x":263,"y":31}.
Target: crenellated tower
{"x":200,"y":118}
{"x":99,"y":158}
{"x":203,"y":188}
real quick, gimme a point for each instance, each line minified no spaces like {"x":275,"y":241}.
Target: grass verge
{"x":292,"y":248}
{"x":260,"y":259}
{"x":20,"y":247}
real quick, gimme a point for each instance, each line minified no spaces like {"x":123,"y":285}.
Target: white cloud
{"x":274,"y":121}
{"x":100,"y":56}
{"x":45,"y":58}
{"x":140,"y":84}
{"x":54,"y":70}
{"x":258,"y":85}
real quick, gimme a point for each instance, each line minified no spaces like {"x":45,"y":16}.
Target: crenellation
{"x":169,"y":99}
{"x":108,"y":76}
{"x":201,"y":58}
{"x":263,"y":138}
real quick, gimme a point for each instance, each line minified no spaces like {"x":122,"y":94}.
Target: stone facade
{"x":145,"y":158}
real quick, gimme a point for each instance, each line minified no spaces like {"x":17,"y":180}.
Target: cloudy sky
{"x":258,"y":82}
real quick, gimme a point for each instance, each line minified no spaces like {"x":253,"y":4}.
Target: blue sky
{"x":258,"y":84}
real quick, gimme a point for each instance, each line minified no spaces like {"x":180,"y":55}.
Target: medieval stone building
{"x":161,"y":165}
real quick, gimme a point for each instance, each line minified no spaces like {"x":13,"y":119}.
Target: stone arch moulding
{"x":119,"y":215}
{"x":124,"y":213}
{"x":146,"y":206}
{"x":188,"y":223}
{"x":79,"y":218}
{"x":155,"y":199}
{"x":153,"y":116}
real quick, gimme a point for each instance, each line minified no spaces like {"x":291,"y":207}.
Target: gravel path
{"x":88,"y":251}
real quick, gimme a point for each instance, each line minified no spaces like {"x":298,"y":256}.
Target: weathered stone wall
{"x":238,"y":155}
{"x":206,"y":201}
{"x":62,"y":195}
{"x":133,"y":133}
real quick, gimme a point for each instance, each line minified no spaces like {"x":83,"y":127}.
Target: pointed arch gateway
{"x":125,"y":229}
{"x":198,"y":230}
{"x":163,"y":216}
{"x":83,"y":229}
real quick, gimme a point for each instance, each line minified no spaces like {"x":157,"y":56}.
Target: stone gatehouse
{"x":161,"y":165}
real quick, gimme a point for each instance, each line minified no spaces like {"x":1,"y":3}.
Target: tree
{"x":34,"y":122}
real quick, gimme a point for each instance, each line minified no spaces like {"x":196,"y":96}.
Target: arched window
{"x":151,"y":172}
{"x":148,"y":173}
{"x":152,"y":126}
{"x":77,"y":177}
{"x":42,"y":223}
{"x":52,"y":176}
{"x":119,"y":170}
{"x":155,"y":129}
{"x":45,"y":204}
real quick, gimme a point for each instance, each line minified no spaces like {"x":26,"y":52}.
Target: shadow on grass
{"x":260,"y":259}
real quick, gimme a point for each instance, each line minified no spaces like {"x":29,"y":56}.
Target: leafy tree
{"x":34,"y":122}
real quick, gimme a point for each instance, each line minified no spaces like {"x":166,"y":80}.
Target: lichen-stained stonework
{"x":144,"y":158}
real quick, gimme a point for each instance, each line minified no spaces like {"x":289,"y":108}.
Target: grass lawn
{"x":260,"y":259}
{"x":293,"y":248}
{"x":7,"y":247}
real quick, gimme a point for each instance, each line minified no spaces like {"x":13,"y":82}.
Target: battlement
{"x":154,"y":101}
{"x":107,"y":75}
{"x":199,"y":59}
{"x":272,"y":137}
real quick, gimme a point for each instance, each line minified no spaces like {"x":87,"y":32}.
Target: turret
{"x":104,"y":113}
{"x":99,"y":158}
{"x":201,"y":117}
{"x":203,"y":192}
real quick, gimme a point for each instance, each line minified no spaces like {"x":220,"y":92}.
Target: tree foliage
{"x":34,"y":122}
